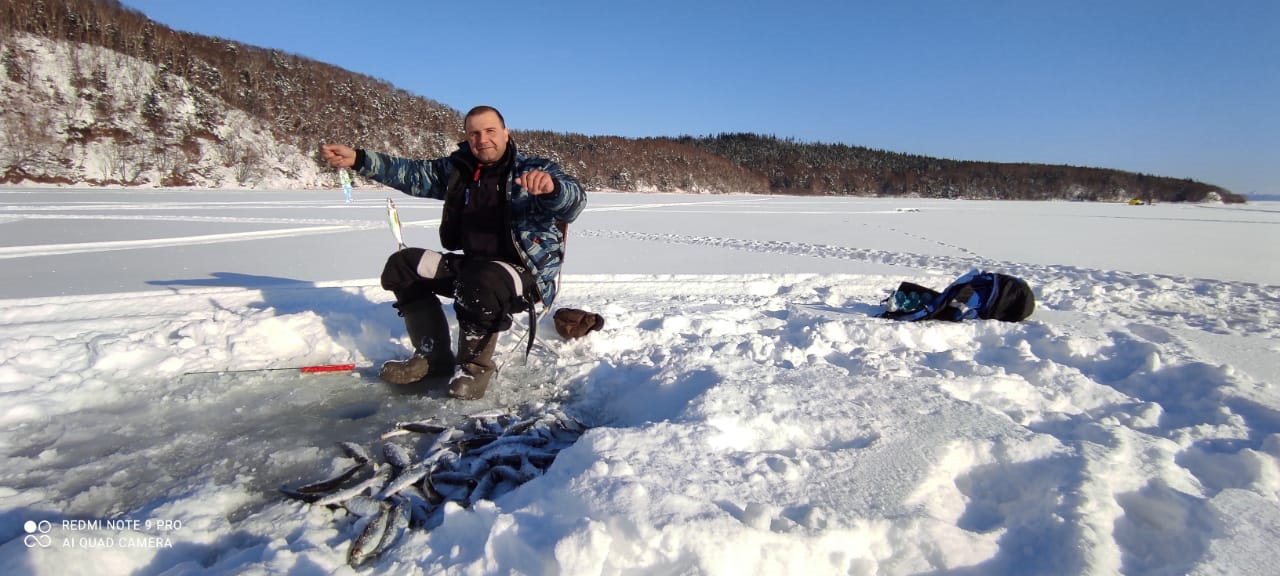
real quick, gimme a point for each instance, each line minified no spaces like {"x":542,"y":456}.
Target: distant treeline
{"x":801,"y":168}
{"x":304,"y":102}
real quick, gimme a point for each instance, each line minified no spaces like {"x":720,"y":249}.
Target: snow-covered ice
{"x":749,"y":414}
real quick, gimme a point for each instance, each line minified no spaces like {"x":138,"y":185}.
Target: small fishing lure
{"x":346,"y":183}
{"x":393,"y":218}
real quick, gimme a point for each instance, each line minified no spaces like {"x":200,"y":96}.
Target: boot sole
{"x":404,"y":373}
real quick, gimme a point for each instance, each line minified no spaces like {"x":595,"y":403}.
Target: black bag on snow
{"x":978,"y":294}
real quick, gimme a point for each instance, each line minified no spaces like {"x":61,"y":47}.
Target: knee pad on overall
{"x":487,"y":293}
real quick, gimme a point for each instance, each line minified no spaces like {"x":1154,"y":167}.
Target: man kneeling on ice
{"x":499,"y":225}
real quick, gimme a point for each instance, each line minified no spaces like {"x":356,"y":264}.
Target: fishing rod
{"x":317,"y":368}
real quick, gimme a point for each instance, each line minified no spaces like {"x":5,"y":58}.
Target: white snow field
{"x":749,"y":414}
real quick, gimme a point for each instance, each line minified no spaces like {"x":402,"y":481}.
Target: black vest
{"x":477,"y":208}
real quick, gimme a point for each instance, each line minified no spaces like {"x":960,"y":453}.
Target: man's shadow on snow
{"x":351,"y":319}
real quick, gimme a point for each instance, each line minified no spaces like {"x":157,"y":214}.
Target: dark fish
{"x":542,"y":460}
{"x":469,"y":443}
{"x":422,"y":427}
{"x":492,"y":423}
{"x":482,"y":490}
{"x":509,"y":474}
{"x":506,"y":479}
{"x":396,"y":455}
{"x":569,"y":422}
{"x":524,"y":426}
{"x":378,"y":479}
{"x":453,"y":477}
{"x":330,"y":484}
{"x":295,"y":495}
{"x":512,"y":453}
{"x":419,"y":514}
{"x":431,"y":495}
{"x":450,"y":491}
{"x":315,"y":490}
{"x":355,"y":451}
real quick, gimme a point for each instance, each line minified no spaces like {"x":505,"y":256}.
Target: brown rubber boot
{"x":404,"y":372}
{"x":433,"y":354}
{"x":475,"y":365}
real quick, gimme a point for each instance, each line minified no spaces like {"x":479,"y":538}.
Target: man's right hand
{"x":338,"y":156}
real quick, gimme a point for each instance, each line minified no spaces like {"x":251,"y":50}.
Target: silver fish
{"x":442,"y":447}
{"x":490,"y":415}
{"x":405,"y":479}
{"x":412,"y":474}
{"x":482,"y":457}
{"x":365,"y":545}
{"x":508,"y":440}
{"x":363,"y":506}
{"x":399,"y":522}
{"x":415,"y":492}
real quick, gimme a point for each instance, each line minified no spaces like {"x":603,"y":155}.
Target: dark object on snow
{"x":978,"y":294}
{"x":573,"y":323}
{"x":909,"y":297}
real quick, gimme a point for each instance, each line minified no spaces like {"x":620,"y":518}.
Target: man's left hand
{"x":537,"y":182}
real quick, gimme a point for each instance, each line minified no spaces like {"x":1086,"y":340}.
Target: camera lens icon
{"x":37,"y":534}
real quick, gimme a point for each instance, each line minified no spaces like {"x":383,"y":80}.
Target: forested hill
{"x":96,"y":93}
{"x":806,"y":168}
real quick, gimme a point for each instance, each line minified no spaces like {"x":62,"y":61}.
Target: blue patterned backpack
{"x":978,"y":294}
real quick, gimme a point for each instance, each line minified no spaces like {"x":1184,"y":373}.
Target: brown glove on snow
{"x":572,"y":323}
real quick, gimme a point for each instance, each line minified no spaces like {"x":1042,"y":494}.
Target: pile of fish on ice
{"x":483,"y":457}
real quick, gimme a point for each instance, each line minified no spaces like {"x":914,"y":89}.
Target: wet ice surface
{"x":265,"y":428}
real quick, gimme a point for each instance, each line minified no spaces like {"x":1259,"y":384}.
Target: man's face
{"x":487,"y":136}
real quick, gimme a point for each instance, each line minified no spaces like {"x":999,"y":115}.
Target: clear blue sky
{"x":1188,"y":89}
